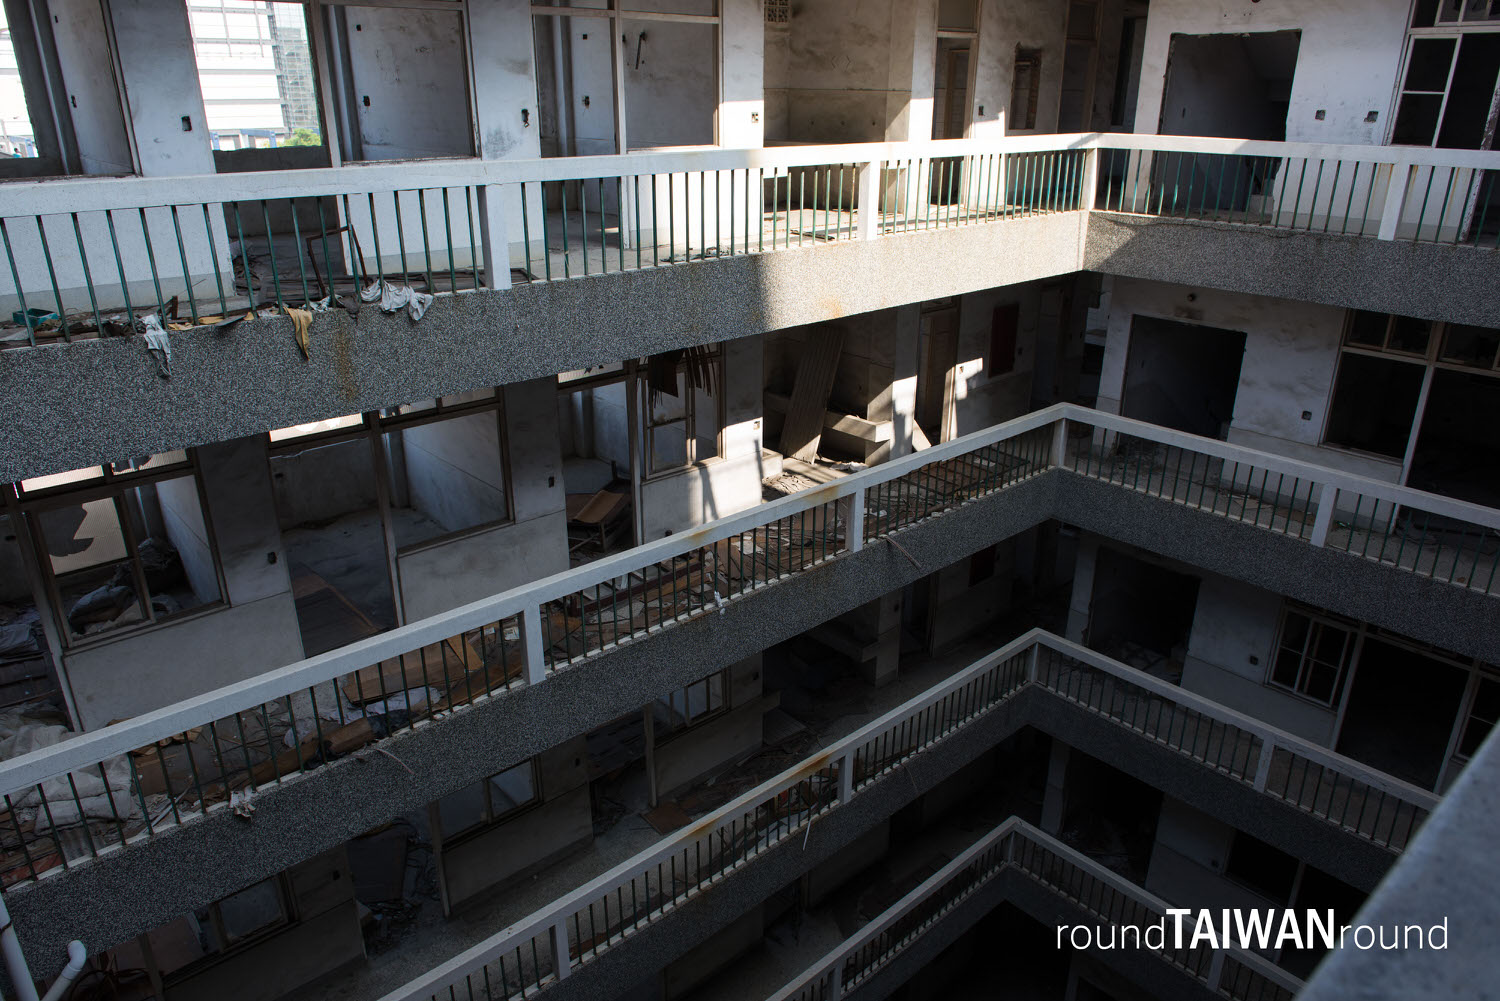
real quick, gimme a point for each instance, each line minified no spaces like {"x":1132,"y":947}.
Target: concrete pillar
{"x":893,"y":381}
{"x":1054,"y":799}
{"x":505,"y":112}
{"x":883,"y":669}
{"x":154,"y":47}
{"x":1083,"y":590}
{"x":909,"y":106}
{"x":742,"y":104}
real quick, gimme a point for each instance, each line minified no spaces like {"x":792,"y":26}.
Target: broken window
{"x":1312,"y":655}
{"x":496,"y":798}
{"x":447,"y":465}
{"x":255,"y":72}
{"x":124,"y":544}
{"x":1375,"y":398}
{"x":1471,"y":347}
{"x":690,"y":706}
{"x":1024,"y":88}
{"x":16,"y":134}
{"x":1484,"y":711}
{"x":683,"y":409}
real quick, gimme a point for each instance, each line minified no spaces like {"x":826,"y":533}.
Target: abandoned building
{"x":731,"y":500}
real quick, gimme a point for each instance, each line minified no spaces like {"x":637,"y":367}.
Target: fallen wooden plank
{"x":435,"y":665}
{"x":802,"y":431}
{"x":857,"y":427}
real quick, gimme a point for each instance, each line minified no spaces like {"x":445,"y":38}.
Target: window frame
{"x":688,"y":420}
{"x":491,"y":819}
{"x":373,"y":425}
{"x":666,"y":733}
{"x":1467,"y":716}
{"x":112,"y":485}
{"x":1316,"y":622}
{"x":1430,"y":360}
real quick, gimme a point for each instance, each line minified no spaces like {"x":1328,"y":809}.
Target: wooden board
{"x":446,"y":663}
{"x":802,"y":431}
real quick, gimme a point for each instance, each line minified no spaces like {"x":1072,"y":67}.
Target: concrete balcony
{"x":658,"y":251}
{"x":571,"y":661}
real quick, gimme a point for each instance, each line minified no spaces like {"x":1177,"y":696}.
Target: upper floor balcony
{"x":130,"y":792}
{"x":319,"y":292}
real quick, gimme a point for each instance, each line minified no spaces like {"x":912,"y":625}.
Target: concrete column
{"x":909,"y":106}
{"x":1054,"y":799}
{"x":1083,"y":589}
{"x":154,"y":46}
{"x":505,"y":111}
{"x":506,"y":117}
{"x":742,"y":105}
{"x":883,"y":669}
{"x":893,"y":381}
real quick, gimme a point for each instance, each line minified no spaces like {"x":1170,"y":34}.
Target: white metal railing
{"x":118,"y":250}
{"x":1229,"y":971}
{"x":574,"y":929}
{"x":123,"y":782}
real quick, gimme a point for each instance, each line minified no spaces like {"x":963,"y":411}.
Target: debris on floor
{"x":394,"y":297}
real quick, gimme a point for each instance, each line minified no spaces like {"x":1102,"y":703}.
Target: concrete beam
{"x":95,"y":401}
{"x":1389,"y":276}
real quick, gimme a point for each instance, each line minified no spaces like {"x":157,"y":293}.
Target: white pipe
{"x":15,"y":959}
{"x":77,"y":956}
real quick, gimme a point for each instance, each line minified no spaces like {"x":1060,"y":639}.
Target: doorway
{"x":936,"y":387}
{"x":1232,"y":87}
{"x":1141,"y":613}
{"x":1400,"y":711}
{"x":950,"y":115}
{"x":1182,"y":375}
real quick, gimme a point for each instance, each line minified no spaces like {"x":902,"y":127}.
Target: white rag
{"x":393,"y":297}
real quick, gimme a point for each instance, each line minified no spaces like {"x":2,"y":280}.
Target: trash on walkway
{"x":158,"y":346}
{"x":301,"y":320}
{"x":393,"y":297}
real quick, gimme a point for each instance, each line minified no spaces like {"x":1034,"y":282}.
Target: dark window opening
{"x":1266,"y":870}
{"x":1374,"y":401}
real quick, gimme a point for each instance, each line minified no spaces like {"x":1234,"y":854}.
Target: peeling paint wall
{"x":1291,"y":351}
{"x":1346,"y":65}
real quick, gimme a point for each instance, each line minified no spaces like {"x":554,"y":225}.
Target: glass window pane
{"x":70,"y":478}
{"x":511,"y":789}
{"x":462,"y":810}
{"x":1374,"y":401}
{"x":1287,"y":664}
{"x":251,"y":910}
{"x":317,"y":427}
{"x":1430,"y":61}
{"x":255,"y":73}
{"x":1416,"y":119}
{"x":16,"y":139}
{"x":1410,"y":335}
{"x":1320,"y":682}
{"x":1368,"y":329}
{"x":447,"y":476}
{"x":86,"y":549}
{"x":1472,"y":346}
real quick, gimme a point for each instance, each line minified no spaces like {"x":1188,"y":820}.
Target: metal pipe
{"x":77,"y":956}
{"x":15,"y":959}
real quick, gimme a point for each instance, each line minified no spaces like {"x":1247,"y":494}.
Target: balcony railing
{"x":1105,"y":896}
{"x":132,"y":780}
{"x":108,"y":257}
{"x":574,"y":930}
